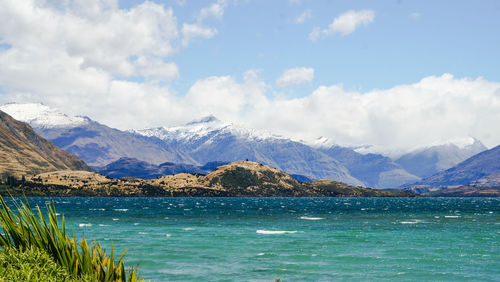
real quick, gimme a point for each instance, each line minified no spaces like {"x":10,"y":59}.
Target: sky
{"x":396,"y":75}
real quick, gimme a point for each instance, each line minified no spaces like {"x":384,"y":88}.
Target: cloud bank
{"x":51,"y":57}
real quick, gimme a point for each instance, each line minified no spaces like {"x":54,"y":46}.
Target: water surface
{"x":295,"y":239}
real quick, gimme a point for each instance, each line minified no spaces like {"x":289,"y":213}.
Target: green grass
{"x":25,"y":231}
{"x":33,"y":265}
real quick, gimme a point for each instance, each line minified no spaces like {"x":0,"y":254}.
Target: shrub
{"x":27,"y":231}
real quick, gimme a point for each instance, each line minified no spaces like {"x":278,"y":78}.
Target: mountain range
{"x":481,"y":170}
{"x":152,"y":152}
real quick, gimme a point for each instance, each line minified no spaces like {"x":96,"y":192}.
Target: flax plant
{"x":26,"y":230}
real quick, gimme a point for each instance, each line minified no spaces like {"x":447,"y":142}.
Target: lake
{"x":295,"y":239}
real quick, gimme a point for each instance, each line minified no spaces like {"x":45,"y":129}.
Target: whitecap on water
{"x":99,"y":209}
{"x":272,"y":232}
{"x":137,"y":223}
{"x":311,"y":218}
{"x":84,"y":224}
{"x":123,"y":210}
{"x":104,"y":225}
{"x":188,"y":228}
{"x":115,"y":219}
{"x":416,"y":221}
{"x":168,"y":235}
{"x":451,"y":216}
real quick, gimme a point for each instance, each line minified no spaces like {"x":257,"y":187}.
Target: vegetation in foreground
{"x":33,"y":264}
{"x":28,"y":235}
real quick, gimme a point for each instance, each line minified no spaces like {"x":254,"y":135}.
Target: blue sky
{"x":356,"y":72}
{"x":456,"y":37}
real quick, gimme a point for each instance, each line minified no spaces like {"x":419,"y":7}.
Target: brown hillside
{"x":239,"y":179}
{"x":23,"y":152}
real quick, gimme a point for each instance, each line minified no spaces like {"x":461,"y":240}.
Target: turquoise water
{"x":295,"y":239}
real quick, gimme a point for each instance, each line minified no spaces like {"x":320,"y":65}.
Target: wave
{"x":188,"y":228}
{"x":311,"y":218}
{"x":84,"y":225}
{"x":274,"y":232}
{"x":123,"y":210}
{"x":451,"y":216}
{"x":99,"y":209}
{"x":416,"y":221}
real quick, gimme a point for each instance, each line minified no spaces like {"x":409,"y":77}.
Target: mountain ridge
{"x":478,"y":170}
{"x":209,"y":139}
{"x":23,"y":152}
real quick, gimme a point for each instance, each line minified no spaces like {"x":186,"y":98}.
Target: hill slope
{"x":239,"y":179}
{"x":374,"y":170}
{"x":431,"y":160}
{"x":95,"y":143}
{"x":23,"y":152}
{"x":482,"y":169}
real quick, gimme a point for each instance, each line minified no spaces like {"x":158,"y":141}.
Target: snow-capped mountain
{"x":374,"y":170}
{"x":206,"y":126}
{"x":440,"y":156}
{"x":41,"y":116}
{"x":210,"y":139}
{"x":482,"y":169}
{"x":94,"y":143}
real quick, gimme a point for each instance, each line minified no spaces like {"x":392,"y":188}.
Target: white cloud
{"x":295,"y":76}
{"x":192,"y":31}
{"x":392,"y":120}
{"x":344,"y":24}
{"x":307,"y":14}
{"x":71,"y":59}
{"x":93,"y":34}
{"x":216,"y":10}
{"x":415,"y":16}
{"x":155,"y":67}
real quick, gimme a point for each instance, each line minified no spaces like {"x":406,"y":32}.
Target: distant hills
{"x":427,"y":161}
{"x":374,"y":170}
{"x":481,"y":170}
{"x":153,"y":152}
{"x":132,"y":167}
{"x":239,"y":179}
{"x":23,"y":152}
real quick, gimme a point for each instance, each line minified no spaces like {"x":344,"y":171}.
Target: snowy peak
{"x":460,"y":143}
{"x":443,"y":155}
{"x":204,"y":128}
{"x":41,"y":116}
